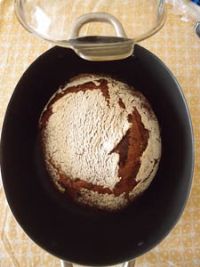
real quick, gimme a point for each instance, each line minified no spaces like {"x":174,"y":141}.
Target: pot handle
{"x":125,"y":264}
{"x":100,"y":48}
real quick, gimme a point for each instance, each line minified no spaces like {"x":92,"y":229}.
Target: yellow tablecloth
{"x":178,"y":46}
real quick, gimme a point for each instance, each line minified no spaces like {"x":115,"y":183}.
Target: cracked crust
{"x":107,"y":146}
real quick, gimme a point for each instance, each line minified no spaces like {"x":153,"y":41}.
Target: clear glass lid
{"x":95,"y":29}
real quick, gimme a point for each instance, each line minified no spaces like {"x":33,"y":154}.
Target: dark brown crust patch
{"x":121,"y":103}
{"x":130,"y":118}
{"x":130,"y":150}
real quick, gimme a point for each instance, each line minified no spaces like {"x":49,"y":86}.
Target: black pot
{"x":59,"y":226}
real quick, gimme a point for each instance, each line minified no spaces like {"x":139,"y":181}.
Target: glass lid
{"x":94,"y":29}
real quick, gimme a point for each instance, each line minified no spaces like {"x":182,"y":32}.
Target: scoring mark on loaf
{"x":100,"y":84}
{"x":130,"y":150}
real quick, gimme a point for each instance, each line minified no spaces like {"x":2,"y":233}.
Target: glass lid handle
{"x":100,"y":48}
{"x":98,"y":17}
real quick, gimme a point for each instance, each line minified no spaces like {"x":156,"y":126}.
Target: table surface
{"x":178,"y":46}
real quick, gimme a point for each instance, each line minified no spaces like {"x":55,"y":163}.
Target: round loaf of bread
{"x":101,"y":141}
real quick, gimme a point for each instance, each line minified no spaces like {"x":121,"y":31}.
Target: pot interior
{"x":62,"y":228}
